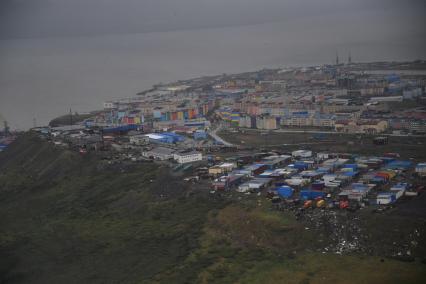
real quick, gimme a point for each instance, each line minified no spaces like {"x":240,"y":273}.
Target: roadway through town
{"x":334,"y":132}
{"x":217,"y":138}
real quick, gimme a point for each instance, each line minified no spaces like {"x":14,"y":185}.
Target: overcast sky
{"x":45,"y":18}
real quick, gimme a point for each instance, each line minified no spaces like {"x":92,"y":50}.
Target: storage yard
{"x":341,"y":196}
{"x":322,"y":180}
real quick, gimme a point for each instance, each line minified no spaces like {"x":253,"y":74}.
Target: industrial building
{"x":165,"y":137}
{"x":188,"y":157}
{"x":159,"y":153}
{"x":139,"y":139}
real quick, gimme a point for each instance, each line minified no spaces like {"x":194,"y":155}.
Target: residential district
{"x":181,"y":125}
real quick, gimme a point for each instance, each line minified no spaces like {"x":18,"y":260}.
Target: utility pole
{"x":6,"y":128}
{"x":102,"y":138}
{"x":70,"y":116}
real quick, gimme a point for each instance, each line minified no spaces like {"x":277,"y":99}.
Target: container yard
{"x":322,"y":180}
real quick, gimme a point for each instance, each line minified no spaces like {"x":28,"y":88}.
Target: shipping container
{"x":318,"y":186}
{"x":311,"y":194}
{"x":285,"y":191}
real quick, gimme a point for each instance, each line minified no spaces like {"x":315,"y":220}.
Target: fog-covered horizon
{"x":61,"y":54}
{"x":50,"y":18}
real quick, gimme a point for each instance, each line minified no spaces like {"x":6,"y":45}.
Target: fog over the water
{"x":61,"y":54}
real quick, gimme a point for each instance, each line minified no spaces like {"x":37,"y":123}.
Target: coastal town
{"x":184,"y":123}
{"x":191,"y":126}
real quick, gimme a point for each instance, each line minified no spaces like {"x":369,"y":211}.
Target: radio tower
{"x":349,"y":58}
{"x":337,"y":58}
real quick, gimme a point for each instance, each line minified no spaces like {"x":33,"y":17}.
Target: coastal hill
{"x":67,"y":218}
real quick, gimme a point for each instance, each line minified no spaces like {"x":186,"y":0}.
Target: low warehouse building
{"x":188,"y":157}
{"x":221,"y":169}
{"x":421,"y":169}
{"x":302,"y":154}
{"x":159,"y":153}
{"x":384,"y":198}
{"x":256,"y":184}
{"x":139,"y":140}
{"x":200,"y":135}
{"x":165,"y":137}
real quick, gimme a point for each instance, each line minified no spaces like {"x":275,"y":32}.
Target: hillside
{"x":69,"y":119}
{"x":68,"y":218}
{"x":65,"y":218}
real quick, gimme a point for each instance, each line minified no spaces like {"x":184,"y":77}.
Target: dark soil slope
{"x":66,"y":218}
{"x":72,"y":219}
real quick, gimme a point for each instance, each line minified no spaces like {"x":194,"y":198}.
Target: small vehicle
{"x":307,"y":204}
{"x":320,"y":203}
{"x":344,"y":204}
{"x":276,"y":199}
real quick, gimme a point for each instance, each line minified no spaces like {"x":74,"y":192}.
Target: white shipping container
{"x":398,"y":192}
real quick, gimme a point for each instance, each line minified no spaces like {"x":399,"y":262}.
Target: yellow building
{"x":363,"y":126}
{"x":266,"y":122}
{"x":373,"y":127}
{"x":221,"y":169}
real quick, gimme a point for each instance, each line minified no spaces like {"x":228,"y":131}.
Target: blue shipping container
{"x":311,"y":194}
{"x":285,"y":191}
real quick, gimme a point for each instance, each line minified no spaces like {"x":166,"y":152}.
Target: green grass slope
{"x":67,"y":218}
{"x":64,"y":220}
